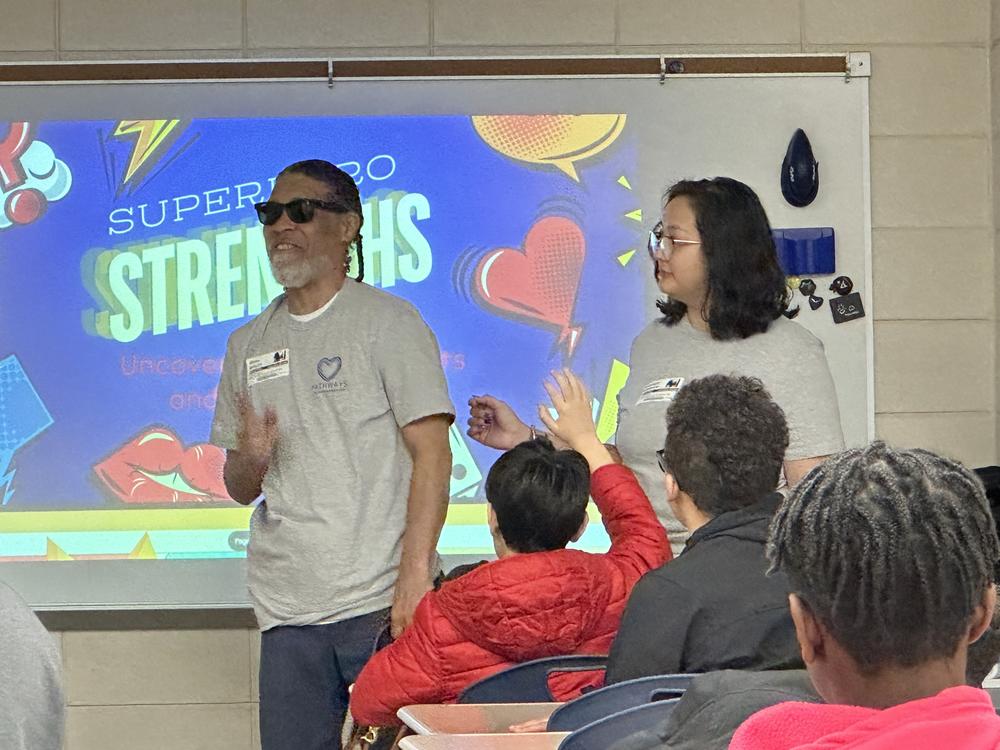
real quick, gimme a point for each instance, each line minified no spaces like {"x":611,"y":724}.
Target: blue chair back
{"x":603,"y":733}
{"x":527,"y":682}
{"x":598,"y":704}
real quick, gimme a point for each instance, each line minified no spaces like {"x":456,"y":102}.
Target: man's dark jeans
{"x":304,"y":675}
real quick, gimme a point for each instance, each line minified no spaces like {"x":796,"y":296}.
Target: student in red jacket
{"x":537,"y":599}
{"x":890,"y":555}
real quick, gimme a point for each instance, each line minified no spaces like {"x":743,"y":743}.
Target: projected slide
{"x":129,"y":251}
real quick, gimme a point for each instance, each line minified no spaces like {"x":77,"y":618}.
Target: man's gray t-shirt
{"x":325,"y":542}
{"x":32,"y":713}
{"x":787,"y":358}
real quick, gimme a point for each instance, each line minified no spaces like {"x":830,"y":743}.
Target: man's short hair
{"x":539,"y":495}
{"x":891,"y":550}
{"x":726,"y":441}
{"x":341,"y":186}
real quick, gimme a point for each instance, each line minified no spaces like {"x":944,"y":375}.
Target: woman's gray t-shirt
{"x":787,"y":358}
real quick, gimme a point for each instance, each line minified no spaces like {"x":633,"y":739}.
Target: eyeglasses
{"x":299,"y":210}
{"x":663,"y":243}
{"x":661,"y":459}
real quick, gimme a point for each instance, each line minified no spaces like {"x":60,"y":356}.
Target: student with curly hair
{"x":714,"y":260}
{"x":890,"y":555}
{"x":714,"y":607}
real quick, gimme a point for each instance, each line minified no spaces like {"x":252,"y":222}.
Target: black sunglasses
{"x":299,"y":210}
{"x":661,"y":459}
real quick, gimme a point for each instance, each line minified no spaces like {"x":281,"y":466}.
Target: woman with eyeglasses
{"x":714,"y":260}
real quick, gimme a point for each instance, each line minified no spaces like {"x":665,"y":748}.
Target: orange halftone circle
{"x":559,"y":140}
{"x":524,"y":136}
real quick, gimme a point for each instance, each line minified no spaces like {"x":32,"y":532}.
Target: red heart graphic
{"x":539,"y":283}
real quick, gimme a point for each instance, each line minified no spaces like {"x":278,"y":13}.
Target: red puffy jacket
{"x":523,"y":607}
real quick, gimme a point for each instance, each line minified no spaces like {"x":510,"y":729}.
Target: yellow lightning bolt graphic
{"x":149,"y":136}
{"x":607,"y":421}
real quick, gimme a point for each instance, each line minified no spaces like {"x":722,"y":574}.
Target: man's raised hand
{"x":258,"y":433}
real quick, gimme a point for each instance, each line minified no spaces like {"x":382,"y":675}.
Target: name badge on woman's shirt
{"x":267,"y":367}
{"x":660,"y":390}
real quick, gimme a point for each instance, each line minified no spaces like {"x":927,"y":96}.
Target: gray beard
{"x":298,"y":274}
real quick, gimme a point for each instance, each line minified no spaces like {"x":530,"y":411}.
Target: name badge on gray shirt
{"x":660,"y":390}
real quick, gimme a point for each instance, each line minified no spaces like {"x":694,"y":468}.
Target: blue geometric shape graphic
{"x":23,"y":416}
{"x":465,"y":474}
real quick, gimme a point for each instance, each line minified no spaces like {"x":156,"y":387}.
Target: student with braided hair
{"x":890,"y":555}
{"x":333,"y":405}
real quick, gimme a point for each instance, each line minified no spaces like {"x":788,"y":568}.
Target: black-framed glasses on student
{"x":661,"y":459}
{"x":299,"y":210}
{"x":660,"y":244}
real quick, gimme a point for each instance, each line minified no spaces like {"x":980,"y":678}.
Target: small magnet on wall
{"x":847,"y":308}
{"x":815,"y":302}
{"x":807,"y":287}
{"x":791,"y":312}
{"x":842,"y":285}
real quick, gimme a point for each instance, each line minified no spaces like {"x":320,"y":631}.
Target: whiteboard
{"x":683,"y":127}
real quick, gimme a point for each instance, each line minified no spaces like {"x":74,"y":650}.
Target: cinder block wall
{"x":933,"y":217}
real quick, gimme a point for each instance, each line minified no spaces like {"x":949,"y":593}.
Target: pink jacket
{"x":959,"y":717}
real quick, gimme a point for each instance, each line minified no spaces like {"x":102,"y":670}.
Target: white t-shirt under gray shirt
{"x":787,"y":358}
{"x":325,"y":542}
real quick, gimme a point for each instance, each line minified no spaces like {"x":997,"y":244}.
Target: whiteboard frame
{"x":131,"y":587}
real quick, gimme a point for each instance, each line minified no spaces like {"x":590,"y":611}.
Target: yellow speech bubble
{"x":558,"y":140}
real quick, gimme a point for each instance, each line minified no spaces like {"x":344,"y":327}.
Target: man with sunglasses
{"x":334,"y":406}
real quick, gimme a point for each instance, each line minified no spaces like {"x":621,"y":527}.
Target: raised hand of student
{"x":574,"y":423}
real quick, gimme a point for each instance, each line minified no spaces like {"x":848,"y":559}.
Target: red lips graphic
{"x":539,"y":283}
{"x":154,"y":467}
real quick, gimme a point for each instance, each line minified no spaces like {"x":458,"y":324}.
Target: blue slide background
{"x":479,"y":200}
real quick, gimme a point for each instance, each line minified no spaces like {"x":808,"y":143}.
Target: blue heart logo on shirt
{"x":328,"y":367}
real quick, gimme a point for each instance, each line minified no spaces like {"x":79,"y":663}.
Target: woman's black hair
{"x":746,"y":286}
